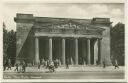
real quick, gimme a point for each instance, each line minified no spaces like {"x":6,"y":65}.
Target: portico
{"x":63,"y":48}
{"x":80,"y":41}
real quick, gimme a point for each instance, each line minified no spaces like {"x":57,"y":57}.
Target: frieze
{"x":68,"y":31}
{"x":67,"y":28}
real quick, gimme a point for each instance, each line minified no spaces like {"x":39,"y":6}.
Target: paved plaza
{"x":81,"y":72}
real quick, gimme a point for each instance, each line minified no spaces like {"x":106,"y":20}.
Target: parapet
{"x":24,"y":18}
{"x":101,"y":21}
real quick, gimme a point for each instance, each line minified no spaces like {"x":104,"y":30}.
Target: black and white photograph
{"x":63,"y":40}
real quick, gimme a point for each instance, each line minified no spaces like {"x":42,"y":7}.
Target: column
{"x":63,"y":51}
{"x":50,"y":49}
{"x":76,"y":51}
{"x":95,"y":51}
{"x":99,"y":51}
{"x":84,"y":51}
{"x":36,"y":50}
{"x":88,"y":51}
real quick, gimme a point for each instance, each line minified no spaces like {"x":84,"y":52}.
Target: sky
{"x":114,"y":11}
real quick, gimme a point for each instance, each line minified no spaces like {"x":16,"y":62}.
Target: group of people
{"x":51,"y":65}
{"x":7,"y":64}
{"x":115,"y":64}
{"x":20,"y":66}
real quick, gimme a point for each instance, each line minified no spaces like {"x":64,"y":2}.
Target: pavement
{"x":74,"y":69}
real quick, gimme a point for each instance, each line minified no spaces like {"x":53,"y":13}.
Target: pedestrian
{"x":55,"y":63}
{"x":23,"y":66}
{"x":116,"y":64}
{"x":47,"y":64}
{"x":51,"y":66}
{"x":20,"y":67}
{"x":97,"y":63}
{"x":5,"y":64}
{"x":39,"y":65}
{"x":104,"y":64}
{"x":9,"y":64}
{"x":67,"y":64}
{"x":16,"y":65}
{"x":59,"y":63}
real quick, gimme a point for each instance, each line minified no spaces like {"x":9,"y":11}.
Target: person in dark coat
{"x":67,"y":64}
{"x":104,"y":65}
{"x":5,"y":65}
{"x":17,"y":65}
{"x":23,"y":66}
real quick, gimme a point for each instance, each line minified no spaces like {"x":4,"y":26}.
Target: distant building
{"x":78,"y":40}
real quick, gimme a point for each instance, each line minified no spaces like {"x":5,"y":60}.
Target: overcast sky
{"x":114,"y":11}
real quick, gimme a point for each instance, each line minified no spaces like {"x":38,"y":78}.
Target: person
{"x":51,"y":66}
{"x":47,"y":64}
{"x":104,"y":65}
{"x":116,"y":64}
{"x":23,"y":66}
{"x":97,"y":63}
{"x":43,"y":62}
{"x":20,"y":67}
{"x":5,"y":64}
{"x":55,"y":63}
{"x":17,"y":65}
{"x":67,"y":62}
{"x":39,"y":65}
{"x":9,"y":64}
{"x":59,"y":63}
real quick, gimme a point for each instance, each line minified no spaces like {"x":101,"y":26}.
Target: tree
{"x":117,"y":43}
{"x":9,"y":44}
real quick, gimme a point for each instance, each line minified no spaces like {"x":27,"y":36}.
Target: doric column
{"x":99,"y":51}
{"x":63,"y":51}
{"x":95,"y":51}
{"x":76,"y":51}
{"x":88,"y":51}
{"x":36,"y":50}
{"x":84,"y":51}
{"x":50,"y":48}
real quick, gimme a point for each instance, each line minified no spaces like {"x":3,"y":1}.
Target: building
{"x":80,"y":41}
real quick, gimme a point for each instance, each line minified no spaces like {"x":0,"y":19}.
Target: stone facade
{"x":80,"y":41}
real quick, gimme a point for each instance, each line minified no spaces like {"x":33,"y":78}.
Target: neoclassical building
{"x":80,"y":41}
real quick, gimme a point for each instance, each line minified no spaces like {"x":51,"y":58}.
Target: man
{"x":67,"y":62}
{"x":104,"y":65}
{"x":116,"y":64}
{"x":39,"y":65}
{"x":17,"y":65}
{"x":23,"y":66}
{"x":51,"y":66}
{"x":9,"y":64}
{"x":5,"y":64}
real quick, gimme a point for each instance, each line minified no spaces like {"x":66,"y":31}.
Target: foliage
{"x":117,"y":43}
{"x":9,"y":44}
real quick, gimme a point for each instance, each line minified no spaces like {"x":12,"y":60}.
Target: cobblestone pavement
{"x":72,"y":68}
{"x":81,"y":72}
